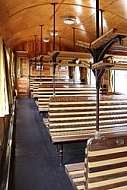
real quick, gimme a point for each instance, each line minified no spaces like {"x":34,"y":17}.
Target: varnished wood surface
{"x":103,"y":97}
{"x":76,"y":174}
{"x":20,"y":21}
{"x":45,"y":92}
{"x":73,"y":119}
{"x":105,"y":165}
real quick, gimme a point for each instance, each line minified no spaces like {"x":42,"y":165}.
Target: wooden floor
{"x":36,"y":162}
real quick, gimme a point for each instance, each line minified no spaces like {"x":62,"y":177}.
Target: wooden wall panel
{"x":23,"y":88}
{"x":1,"y":130}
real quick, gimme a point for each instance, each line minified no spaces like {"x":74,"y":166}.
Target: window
{"x":120,"y":81}
{"x":91,"y":77}
{"x":39,"y":68}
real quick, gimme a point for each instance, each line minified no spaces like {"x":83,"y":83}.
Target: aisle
{"x":36,"y":165}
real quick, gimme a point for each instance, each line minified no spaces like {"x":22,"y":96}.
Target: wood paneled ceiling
{"x":20,"y":20}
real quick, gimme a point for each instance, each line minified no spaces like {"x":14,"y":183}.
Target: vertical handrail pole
{"x":97,"y":19}
{"x":54,"y":30}
{"x":41,"y":53}
{"x":97,"y":135}
{"x":102,"y":27}
{"x":59,"y":43}
{"x":35,"y":36}
{"x":74,"y":38}
{"x":54,"y":24}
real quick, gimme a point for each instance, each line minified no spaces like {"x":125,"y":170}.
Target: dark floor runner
{"x":36,"y":161}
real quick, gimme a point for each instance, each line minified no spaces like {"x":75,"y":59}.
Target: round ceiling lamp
{"x":52,"y":33}
{"x":69,"y":20}
{"x":46,"y":40}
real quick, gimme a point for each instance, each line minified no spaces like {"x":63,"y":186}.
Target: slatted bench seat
{"x":35,"y":90}
{"x":105,"y":165}
{"x":73,"y":119}
{"x":46,"y":91}
{"x":75,"y":173}
{"x":47,"y":81}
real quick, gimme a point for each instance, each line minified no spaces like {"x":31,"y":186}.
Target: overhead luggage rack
{"x":110,"y":35}
{"x":108,"y":65}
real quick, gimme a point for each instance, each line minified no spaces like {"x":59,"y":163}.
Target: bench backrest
{"x":106,"y":164}
{"x":47,"y":82}
{"x":34,"y":83}
{"x":66,"y":89}
{"x":46,"y":91}
{"x":36,"y":80}
{"x":78,"y":114}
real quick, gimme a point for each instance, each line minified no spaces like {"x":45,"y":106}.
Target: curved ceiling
{"x":20,"y":20}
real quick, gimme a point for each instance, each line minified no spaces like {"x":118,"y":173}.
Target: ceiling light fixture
{"x":69,"y":20}
{"x":46,"y":40}
{"x":52,"y":33}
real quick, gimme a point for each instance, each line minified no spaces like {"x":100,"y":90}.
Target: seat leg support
{"x":61,"y":154}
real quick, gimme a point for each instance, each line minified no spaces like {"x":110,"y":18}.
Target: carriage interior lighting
{"x":52,"y":33}
{"x":69,"y":20}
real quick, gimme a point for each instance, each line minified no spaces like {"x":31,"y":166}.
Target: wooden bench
{"x":76,"y":175}
{"x":104,"y":167}
{"x":73,"y":118}
{"x":46,"y":82}
{"x":46,"y":91}
{"x":37,"y":79}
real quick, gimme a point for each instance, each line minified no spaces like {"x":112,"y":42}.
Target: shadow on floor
{"x":36,"y":162}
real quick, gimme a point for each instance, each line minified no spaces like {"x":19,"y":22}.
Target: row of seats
{"x":104,"y":166}
{"x":72,"y":118}
{"x":46,"y":91}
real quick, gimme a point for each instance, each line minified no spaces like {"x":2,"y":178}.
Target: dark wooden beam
{"x":97,"y":19}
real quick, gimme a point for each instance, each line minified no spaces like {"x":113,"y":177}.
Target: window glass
{"x":121,"y":81}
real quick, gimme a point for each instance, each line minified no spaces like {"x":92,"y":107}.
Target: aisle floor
{"x":36,"y":161}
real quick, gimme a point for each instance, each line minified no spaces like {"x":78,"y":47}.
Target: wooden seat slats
{"x":107,"y":171}
{"x":115,"y":113}
{"x":76,"y":171}
{"x":68,"y":130}
{"x":85,"y":134}
{"x":45,"y":92}
{"x":73,"y":119}
{"x":105,"y":165}
{"x":37,"y":81}
{"x":82,"y":115}
{"x":105,"y":128}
